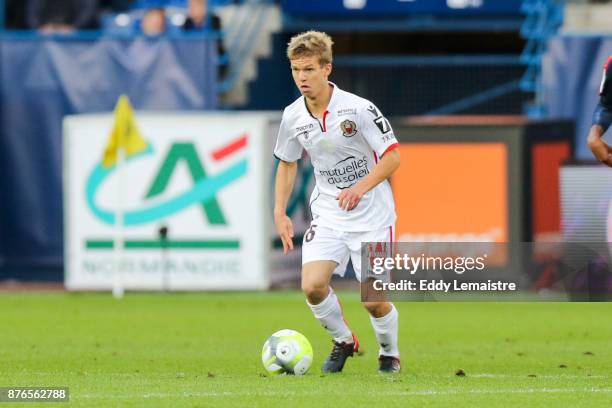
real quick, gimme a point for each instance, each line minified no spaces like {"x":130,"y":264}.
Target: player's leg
{"x":323,"y":301}
{"x":384,"y":319}
{"x":322,"y":255}
{"x":326,"y":308}
{"x":383,"y":314}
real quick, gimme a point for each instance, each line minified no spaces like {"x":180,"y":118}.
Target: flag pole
{"x":118,"y":289}
{"x":125,"y":141}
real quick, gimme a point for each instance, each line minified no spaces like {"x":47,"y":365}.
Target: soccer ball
{"x":287,"y":351}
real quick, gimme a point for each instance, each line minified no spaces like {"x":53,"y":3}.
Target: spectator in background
{"x":154,"y":21}
{"x":198,"y":18}
{"x":197,"y":15}
{"x":62,"y":16}
{"x":158,"y":16}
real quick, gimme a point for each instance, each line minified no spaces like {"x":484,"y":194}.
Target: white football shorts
{"x":324,"y":244}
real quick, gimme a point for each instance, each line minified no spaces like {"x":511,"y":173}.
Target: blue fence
{"x":41,"y":81}
{"x":398,"y":7}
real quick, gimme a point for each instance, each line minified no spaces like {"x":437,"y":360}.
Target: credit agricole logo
{"x":125,"y":137}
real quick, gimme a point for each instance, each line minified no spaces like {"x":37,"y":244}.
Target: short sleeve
{"x":377,"y":130}
{"x":288,"y":147}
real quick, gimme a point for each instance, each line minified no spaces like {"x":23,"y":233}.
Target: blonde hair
{"x":311,"y":44}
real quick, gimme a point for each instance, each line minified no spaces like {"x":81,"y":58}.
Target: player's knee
{"x":376,"y":309}
{"x":315,"y":292}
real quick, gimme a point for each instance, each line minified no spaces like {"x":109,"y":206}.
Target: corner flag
{"x":125,"y":134}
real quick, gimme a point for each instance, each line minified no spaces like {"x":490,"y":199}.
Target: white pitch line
{"x":545,"y":376}
{"x":477,"y":375}
{"x":508,"y":391}
{"x":387,"y":393}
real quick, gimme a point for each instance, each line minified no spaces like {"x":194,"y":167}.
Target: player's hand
{"x":601,"y":150}
{"x":284,"y":228}
{"x":349,"y":198}
{"x":609,"y":158}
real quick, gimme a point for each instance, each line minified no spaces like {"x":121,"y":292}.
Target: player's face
{"x":309,"y":75}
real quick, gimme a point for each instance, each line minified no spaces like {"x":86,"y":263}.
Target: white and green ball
{"x":287,"y":351}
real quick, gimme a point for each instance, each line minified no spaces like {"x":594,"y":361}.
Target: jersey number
{"x":383,"y":124}
{"x":310,"y":233}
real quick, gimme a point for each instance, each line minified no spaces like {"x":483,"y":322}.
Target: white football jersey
{"x":343,"y":147}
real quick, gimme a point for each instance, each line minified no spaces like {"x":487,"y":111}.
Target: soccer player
{"x":353,"y":151}
{"x":602,"y":118}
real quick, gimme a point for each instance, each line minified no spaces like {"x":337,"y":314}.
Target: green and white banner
{"x":192,"y":207}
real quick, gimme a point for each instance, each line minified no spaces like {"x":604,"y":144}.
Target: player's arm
{"x":285,"y":179}
{"x":386,"y":166}
{"x":288,"y":151}
{"x":602,"y":118}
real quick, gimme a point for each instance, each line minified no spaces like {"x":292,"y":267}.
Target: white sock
{"x":329,"y":313}
{"x":385,"y":329}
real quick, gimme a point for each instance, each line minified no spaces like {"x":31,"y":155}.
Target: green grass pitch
{"x":203,"y":349}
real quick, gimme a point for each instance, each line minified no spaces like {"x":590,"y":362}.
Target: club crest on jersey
{"x":349,"y":128}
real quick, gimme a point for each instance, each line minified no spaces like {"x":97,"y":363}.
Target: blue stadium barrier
{"x":402,"y":16}
{"x":38,"y":88}
{"x":387,"y":8}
